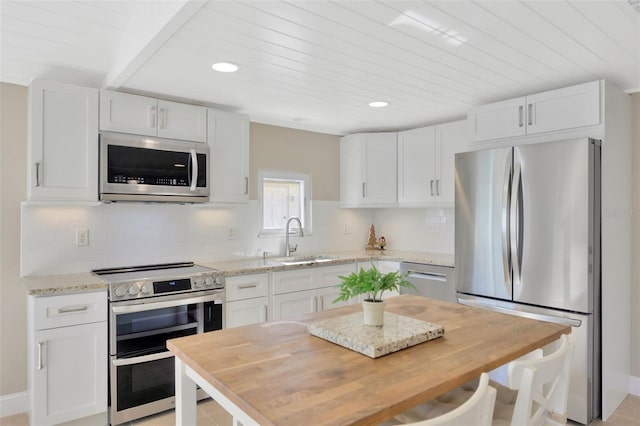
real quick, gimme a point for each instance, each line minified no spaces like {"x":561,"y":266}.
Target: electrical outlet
{"x":346,"y":228}
{"x":82,"y":237}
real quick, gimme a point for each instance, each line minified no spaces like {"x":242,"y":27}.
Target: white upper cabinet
{"x":451,"y":138}
{"x":182,"y":121}
{"x":368,"y":170}
{"x":417,"y":166}
{"x":63,"y":142}
{"x":566,"y":108}
{"x":426,"y":164}
{"x":141,"y":115}
{"x":229,"y":163}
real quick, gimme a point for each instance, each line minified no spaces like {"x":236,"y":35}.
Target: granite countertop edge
{"x":49,"y":285}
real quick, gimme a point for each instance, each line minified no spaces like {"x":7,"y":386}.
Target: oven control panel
{"x":137,"y":289}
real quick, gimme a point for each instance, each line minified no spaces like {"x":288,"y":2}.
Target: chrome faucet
{"x":287,"y":248}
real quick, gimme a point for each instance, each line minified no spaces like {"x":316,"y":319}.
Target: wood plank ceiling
{"x":317,"y":64}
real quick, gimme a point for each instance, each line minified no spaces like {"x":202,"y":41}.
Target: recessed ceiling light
{"x":225,"y":67}
{"x":378,"y":104}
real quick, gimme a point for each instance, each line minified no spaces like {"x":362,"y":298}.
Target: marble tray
{"x":398,"y":332}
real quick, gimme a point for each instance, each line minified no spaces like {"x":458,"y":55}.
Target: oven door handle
{"x":140,"y":359}
{"x":166,"y":304}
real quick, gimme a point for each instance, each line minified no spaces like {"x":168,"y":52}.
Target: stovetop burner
{"x":136,"y":282}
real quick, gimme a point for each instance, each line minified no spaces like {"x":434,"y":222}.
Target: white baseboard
{"x":14,"y":403}
{"x":634,"y":385}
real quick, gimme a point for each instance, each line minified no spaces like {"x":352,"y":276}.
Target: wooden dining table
{"x":276,"y":373}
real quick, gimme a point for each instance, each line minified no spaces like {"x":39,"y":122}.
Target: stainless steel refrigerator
{"x":527,"y":242}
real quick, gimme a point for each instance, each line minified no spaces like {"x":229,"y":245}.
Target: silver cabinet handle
{"x":153,"y":117}
{"x":431,"y":186}
{"x":438,"y":187}
{"x":40,"y":366}
{"x":314,"y":304}
{"x":530,"y":114}
{"x":73,"y":309}
{"x":265,"y":311}
{"x":38,"y":173}
{"x":163,"y":117}
{"x":246,"y":185}
{"x":363,"y":189}
{"x":520,"y":116}
{"x":246,"y":286}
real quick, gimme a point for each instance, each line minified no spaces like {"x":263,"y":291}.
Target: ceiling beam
{"x":151,"y":25}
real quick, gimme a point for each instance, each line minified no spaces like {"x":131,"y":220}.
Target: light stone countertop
{"x":49,"y":285}
{"x":256,"y":266}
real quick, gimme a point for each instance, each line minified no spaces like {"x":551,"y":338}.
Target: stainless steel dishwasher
{"x":431,"y":281}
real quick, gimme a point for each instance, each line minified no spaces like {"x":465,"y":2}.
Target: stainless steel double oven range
{"x":148,"y":305}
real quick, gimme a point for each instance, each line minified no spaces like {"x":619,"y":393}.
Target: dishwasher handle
{"x":427,"y":276}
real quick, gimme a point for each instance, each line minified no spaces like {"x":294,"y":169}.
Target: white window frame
{"x":284,"y":175}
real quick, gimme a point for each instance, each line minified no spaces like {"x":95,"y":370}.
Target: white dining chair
{"x":477,"y":410}
{"x":538,"y":390}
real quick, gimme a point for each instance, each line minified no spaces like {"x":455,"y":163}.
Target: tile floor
{"x":211,"y":414}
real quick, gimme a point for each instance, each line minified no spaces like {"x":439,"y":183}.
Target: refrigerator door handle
{"x":506,"y":259}
{"x":515,"y":221}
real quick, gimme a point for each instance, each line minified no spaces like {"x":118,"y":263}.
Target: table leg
{"x":185,"y":396}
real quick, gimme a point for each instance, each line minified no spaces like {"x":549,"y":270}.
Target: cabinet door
{"x":567,"y":108}
{"x":498,"y":120}
{"x":182,"y":121}
{"x":451,"y":138}
{"x":350,"y":175}
{"x":126,"y":113}
{"x":229,"y":164}
{"x":379,"y":169}
{"x":245,"y":312}
{"x":327,"y":295}
{"x":63,"y":143}
{"x":294,"y":305}
{"x":416,"y":167}
{"x":70,"y":375}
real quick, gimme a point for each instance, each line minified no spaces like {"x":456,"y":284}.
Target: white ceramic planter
{"x":373,"y":313}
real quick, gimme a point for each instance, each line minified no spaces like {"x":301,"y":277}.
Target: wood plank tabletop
{"x":279,"y":374}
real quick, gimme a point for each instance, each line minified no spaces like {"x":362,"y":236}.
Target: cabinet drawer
{"x":297,"y":280}
{"x":327,"y":276}
{"x":246,"y":286}
{"x":71,"y":309}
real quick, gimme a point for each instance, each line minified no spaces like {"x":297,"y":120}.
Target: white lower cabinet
{"x":293,"y":305}
{"x":68,"y":358}
{"x":302,"y":291}
{"x":247,"y":302}
{"x":246,"y":312}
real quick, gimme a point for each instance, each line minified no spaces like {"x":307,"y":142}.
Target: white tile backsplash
{"x":122,"y":234}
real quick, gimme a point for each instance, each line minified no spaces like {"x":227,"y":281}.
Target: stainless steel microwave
{"x":150,"y":169}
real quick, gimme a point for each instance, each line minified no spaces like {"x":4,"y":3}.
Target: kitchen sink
{"x":303,"y":260}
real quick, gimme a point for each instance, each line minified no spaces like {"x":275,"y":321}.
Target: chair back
{"x":543,"y":387}
{"x":477,"y":410}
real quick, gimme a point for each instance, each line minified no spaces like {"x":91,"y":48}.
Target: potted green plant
{"x":373,"y":283}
